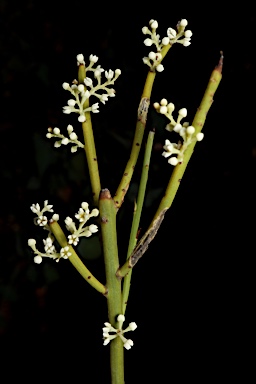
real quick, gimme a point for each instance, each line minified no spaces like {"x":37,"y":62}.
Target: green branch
{"x":138,"y":136}
{"x":89,"y":145}
{"x":137,"y":215}
{"x":177,"y":173}
{"x":75,"y":260}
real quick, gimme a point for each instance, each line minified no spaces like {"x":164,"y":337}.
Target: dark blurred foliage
{"x":191,"y":293}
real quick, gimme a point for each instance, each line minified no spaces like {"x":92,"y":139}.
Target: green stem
{"x":139,"y":133}
{"x":89,"y":145}
{"x":137,"y":215}
{"x":177,"y":173}
{"x":113,"y":284}
{"x":90,"y":150}
{"x":75,"y":260}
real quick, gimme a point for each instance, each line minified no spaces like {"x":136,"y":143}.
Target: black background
{"x":192,"y":293}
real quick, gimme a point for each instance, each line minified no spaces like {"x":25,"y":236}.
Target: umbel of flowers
{"x":41,"y":219}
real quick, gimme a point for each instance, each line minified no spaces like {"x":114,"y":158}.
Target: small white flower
{"x":173,"y":161}
{"x":152,"y":55}
{"x":154,"y":24}
{"x":110,"y":333}
{"x":65,"y":86}
{"x":95,"y":108}
{"x":165,"y":41}
{"x":32,"y":243}
{"x":200,"y":136}
{"x":64,"y":252}
{"x":42,"y":221}
{"x":80,"y":59}
{"x":38,"y":259}
{"x":80,"y":88}
{"x":190,"y":130}
{"x":93,"y":58}
{"x":70,"y":129}
{"x":56,"y":131}
{"x":160,"y":68}
{"x":148,"y":42}
{"x":71,"y":102}
{"x":183,"y":112}
{"x":73,"y":239}
{"x":171,"y":33}
{"x":64,"y":141}
{"x":73,"y":136}
{"x":188,"y":33}
{"x":93,"y":228}
{"x":81,"y":118}
{"x":88,"y":82}
{"x":183,"y":22}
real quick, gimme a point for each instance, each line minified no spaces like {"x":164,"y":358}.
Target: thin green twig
{"x":137,"y":215}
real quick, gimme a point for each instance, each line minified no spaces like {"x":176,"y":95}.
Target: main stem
{"x":113,"y":284}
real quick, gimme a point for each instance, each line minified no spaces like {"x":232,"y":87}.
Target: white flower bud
{"x":57,"y":144}
{"x":188,"y":33}
{"x":152,"y":55}
{"x":55,"y":217}
{"x":186,"y":43}
{"x":170,"y":107}
{"x":145,"y":30}
{"x":148,"y":42}
{"x":177,"y":128}
{"x":118,"y":72}
{"x":160,"y":68}
{"x":65,"y":86}
{"x":154,"y":24}
{"x":190,"y":130}
{"x":38,"y":259}
{"x":56,"y":131}
{"x":156,"y":105}
{"x":31,"y":242}
{"x":73,"y":136}
{"x":70,"y":128}
{"x":165,"y":41}
{"x":163,"y":109}
{"x":173,"y":161}
{"x":132,"y":326}
{"x":80,"y":88}
{"x":81,"y":118}
{"x":163,"y":102}
{"x":64,"y":141}
{"x":48,"y":135}
{"x":94,"y":212}
{"x":121,"y":318}
{"x":183,"y":112}
{"x":183,"y":22}
{"x":200,"y":136}
{"x":80,"y":58}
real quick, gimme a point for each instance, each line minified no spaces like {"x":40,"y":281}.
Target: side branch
{"x":176,"y":175}
{"x":75,"y":260}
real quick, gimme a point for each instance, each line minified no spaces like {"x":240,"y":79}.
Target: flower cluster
{"x":110,"y":333}
{"x":153,"y":60}
{"x":82,"y":216}
{"x":49,"y":248}
{"x":186,"y":131}
{"x":82,"y":92}
{"x":72,"y":139}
